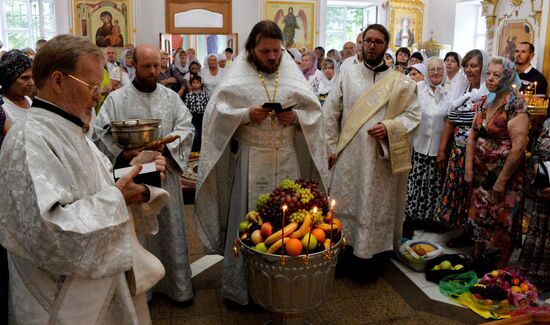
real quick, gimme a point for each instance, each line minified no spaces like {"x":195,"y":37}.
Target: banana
{"x":303,"y":229}
{"x":327,"y":244}
{"x":326,"y":227}
{"x":289,"y":229}
{"x":276,"y":246}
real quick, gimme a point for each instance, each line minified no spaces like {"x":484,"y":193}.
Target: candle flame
{"x":285,"y":207}
{"x":333,"y":203}
{"x":314,"y":210}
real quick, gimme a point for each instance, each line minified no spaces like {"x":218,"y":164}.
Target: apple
{"x":267,"y":229}
{"x":261,"y":247}
{"x":312,"y":241}
{"x":445,"y":265}
{"x":257,"y":237}
{"x":243,"y":226}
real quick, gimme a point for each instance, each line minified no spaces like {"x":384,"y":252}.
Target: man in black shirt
{"x":525,"y":52}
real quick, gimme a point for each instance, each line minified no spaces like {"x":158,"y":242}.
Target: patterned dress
{"x":196,"y":104}
{"x":453,"y":205}
{"x":496,"y":220}
{"x":535,"y":256}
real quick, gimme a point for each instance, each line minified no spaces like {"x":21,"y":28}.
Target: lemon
{"x":445,"y":265}
{"x":436,"y":268}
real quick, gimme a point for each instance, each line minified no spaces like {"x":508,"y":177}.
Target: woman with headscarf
{"x":452,"y":208}
{"x":128,"y":65}
{"x":222,"y":60}
{"x":211,"y":74}
{"x":494,"y":153}
{"x":310,"y":71}
{"x":424,"y":181}
{"x":389,"y":58}
{"x":455,"y":74}
{"x":330,"y":71}
{"x":418,"y":72}
{"x":534,"y":260}
{"x":17,"y":84}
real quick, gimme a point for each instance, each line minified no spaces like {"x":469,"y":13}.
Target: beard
{"x":373,"y":61}
{"x":269,"y":67}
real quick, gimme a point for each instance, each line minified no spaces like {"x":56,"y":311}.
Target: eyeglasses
{"x":435,"y":70}
{"x":94,"y":90}
{"x":376,"y":42}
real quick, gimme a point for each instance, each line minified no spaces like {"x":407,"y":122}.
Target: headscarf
{"x":458,"y":96}
{"x":131,"y":70}
{"x":221,"y":57}
{"x":335,"y":65}
{"x":421,"y":67}
{"x":296,"y":54}
{"x":509,"y":78}
{"x":178,"y":65}
{"x":311,"y":71}
{"x":12,"y":65}
{"x":392,"y":55}
{"x":432,"y":60}
{"x":208,"y":57}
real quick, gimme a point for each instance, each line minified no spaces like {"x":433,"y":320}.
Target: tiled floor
{"x":400,"y":297}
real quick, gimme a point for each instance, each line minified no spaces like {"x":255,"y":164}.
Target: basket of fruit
{"x":519,"y":291}
{"x":416,"y":253}
{"x":290,"y":245}
{"x":445,"y":265}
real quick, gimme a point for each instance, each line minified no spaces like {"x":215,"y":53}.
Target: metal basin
{"x":129,"y":134}
{"x":292,"y":287}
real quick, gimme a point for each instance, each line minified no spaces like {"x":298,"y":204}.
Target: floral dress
{"x":452,"y":208}
{"x":535,"y":255}
{"x":496,"y":220}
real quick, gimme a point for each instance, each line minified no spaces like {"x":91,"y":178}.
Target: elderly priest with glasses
{"x":68,"y":227}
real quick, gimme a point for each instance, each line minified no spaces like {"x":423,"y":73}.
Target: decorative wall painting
{"x":296,"y":19}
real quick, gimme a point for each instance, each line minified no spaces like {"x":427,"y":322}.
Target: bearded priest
{"x":370,"y":112}
{"x":249,"y":145}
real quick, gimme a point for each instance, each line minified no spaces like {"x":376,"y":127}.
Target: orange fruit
{"x":524,"y":287}
{"x":319,"y":234}
{"x":339,"y":223}
{"x":293,"y":247}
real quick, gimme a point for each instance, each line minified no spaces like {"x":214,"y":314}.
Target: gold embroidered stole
{"x":397,"y":91}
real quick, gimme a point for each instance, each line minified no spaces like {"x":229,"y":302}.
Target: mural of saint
{"x":291,"y":25}
{"x":405,"y":36}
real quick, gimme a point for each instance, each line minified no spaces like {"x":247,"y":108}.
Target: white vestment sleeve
{"x":59,"y":228}
{"x":182,"y":126}
{"x":332,"y":115}
{"x":410,"y":118}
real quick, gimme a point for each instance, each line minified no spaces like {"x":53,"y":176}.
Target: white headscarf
{"x":392,"y":54}
{"x":178,"y":65}
{"x":221,"y":57}
{"x":457,"y":97}
{"x":432,"y":60}
{"x":421,"y":67}
{"x":208,"y":57}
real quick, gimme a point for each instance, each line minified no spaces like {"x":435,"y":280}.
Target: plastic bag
{"x":457,"y":284}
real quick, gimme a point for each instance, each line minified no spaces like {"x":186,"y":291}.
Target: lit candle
{"x":309,"y":231}
{"x":535,"y":88}
{"x":283,"y":233}
{"x":332,"y":204}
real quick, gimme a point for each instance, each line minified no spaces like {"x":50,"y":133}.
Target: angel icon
{"x":291,"y":24}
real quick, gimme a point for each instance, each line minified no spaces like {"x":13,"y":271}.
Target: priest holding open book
{"x":262,"y":125}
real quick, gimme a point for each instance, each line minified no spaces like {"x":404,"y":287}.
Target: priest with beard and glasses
{"x":369,"y":114}
{"x":247,"y":150}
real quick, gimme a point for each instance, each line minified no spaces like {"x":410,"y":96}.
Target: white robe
{"x":170,"y":244}
{"x":13,"y":112}
{"x":65,"y":226}
{"x":370,"y":199}
{"x":240,"y":159}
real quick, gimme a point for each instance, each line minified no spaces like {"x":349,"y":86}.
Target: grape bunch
{"x":493,"y":292}
{"x":299,"y":197}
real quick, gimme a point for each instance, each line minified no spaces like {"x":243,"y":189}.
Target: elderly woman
{"x":452,"y":208}
{"x":211,"y":74}
{"x":424,"y":182}
{"x":494,"y":154}
{"x":167,"y":74}
{"x":310,"y":71}
{"x":17,"y":84}
{"x":222,"y":60}
{"x":330,"y":71}
{"x":535,"y":256}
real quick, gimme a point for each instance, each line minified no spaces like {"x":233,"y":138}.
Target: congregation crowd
{"x":400,"y":140}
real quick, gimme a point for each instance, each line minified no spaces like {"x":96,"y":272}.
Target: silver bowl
{"x":129,"y":134}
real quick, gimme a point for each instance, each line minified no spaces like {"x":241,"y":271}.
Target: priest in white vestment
{"x":369,"y":114}
{"x":143,"y":99}
{"x":65,"y":223}
{"x":246,"y":152}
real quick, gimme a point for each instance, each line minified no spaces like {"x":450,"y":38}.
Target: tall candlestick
{"x":309,"y":231}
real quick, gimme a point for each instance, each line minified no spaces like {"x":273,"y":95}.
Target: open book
{"x":279,"y":108}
